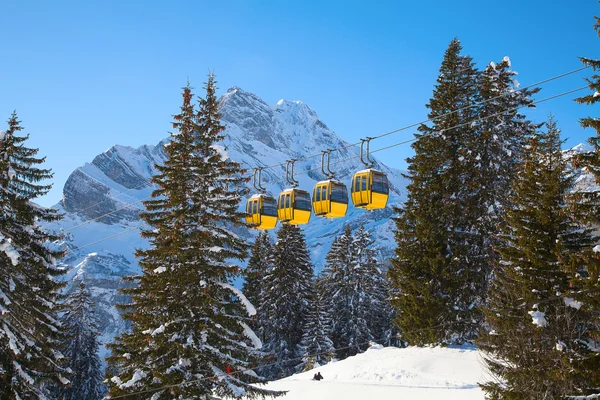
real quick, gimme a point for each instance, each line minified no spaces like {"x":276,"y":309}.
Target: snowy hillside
{"x":393,"y":373}
{"x":102,"y":199}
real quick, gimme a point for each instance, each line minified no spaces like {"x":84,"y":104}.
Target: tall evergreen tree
{"x":535,"y":347}
{"x":590,"y":202}
{"x":30,"y":335}
{"x":375,"y":286}
{"x":587,"y":273}
{"x":285,"y":301}
{"x":81,"y":347}
{"x":338,"y":293}
{"x":189,"y":335}
{"x":317,"y":347}
{"x":355,"y":290}
{"x":258,"y":264}
{"x":438,"y":269}
{"x":502,"y":132}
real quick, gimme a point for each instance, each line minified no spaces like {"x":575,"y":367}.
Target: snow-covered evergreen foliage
{"x":258,"y":264}
{"x":585,"y":286}
{"x":285,"y":302}
{"x":594,"y":84}
{"x":190,"y":337}
{"x":80,"y":347}
{"x":438,"y":270}
{"x":541,"y":338}
{"x":501,"y":135}
{"x":590,"y":201}
{"x":317,"y":347}
{"x":355,"y":290}
{"x":460,"y":181}
{"x":30,"y":334}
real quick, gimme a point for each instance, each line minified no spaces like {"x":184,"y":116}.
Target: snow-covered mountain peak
{"x":296,"y":112}
{"x":239,"y":99}
{"x":289,"y":103}
{"x":581,"y":148}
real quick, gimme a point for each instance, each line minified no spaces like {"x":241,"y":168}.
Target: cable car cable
{"x":493,"y":115}
{"x":107,"y":238}
{"x":443,"y":130}
{"x":444,"y":115}
{"x":147,"y":181}
{"x":107,"y":214}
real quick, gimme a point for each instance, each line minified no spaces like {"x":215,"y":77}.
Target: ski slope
{"x":393,"y":373}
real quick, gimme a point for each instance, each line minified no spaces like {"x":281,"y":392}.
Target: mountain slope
{"x":393,"y":373}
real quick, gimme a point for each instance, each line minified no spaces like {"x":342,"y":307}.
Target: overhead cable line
{"x":87,"y":221}
{"x":148,"y":181}
{"x":440,"y":116}
{"x":441,"y":131}
{"x":108,"y":237}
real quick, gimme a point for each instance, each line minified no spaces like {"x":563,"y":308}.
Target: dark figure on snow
{"x":317,"y":377}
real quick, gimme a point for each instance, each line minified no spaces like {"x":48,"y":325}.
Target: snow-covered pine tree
{"x":494,"y":153}
{"x":30,"y":334}
{"x":258,"y":264}
{"x":585,"y":287}
{"x":81,"y":347}
{"x":317,"y":347}
{"x":189,"y":336}
{"x":350,"y":335}
{"x":353,"y":287}
{"x":375,"y":286}
{"x":535,"y":344}
{"x":438,"y":266}
{"x":285,"y":301}
{"x":590,"y":201}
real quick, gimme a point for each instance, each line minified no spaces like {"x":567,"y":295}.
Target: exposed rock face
{"x":93,"y":190}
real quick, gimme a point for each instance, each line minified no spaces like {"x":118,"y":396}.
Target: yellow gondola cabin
{"x":293,"y":206}
{"x":370,"y":189}
{"x":330,"y":199}
{"x":261,"y":212}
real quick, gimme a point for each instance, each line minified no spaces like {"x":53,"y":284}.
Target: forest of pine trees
{"x":284,"y":301}
{"x":306,"y":321}
{"x":494,"y":248}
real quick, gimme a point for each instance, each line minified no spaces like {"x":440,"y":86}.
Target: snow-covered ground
{"x":393,"y":373}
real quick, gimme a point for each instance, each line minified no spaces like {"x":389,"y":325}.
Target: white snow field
{"x":393,"y":373}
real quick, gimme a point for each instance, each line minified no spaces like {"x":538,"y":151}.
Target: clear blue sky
{"x":84,"y":75}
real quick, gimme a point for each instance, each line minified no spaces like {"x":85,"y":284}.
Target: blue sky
{"x":84,"y":75}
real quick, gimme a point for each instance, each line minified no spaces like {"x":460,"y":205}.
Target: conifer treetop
{"x":188,"y":322}
{"x":30,"y":333}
